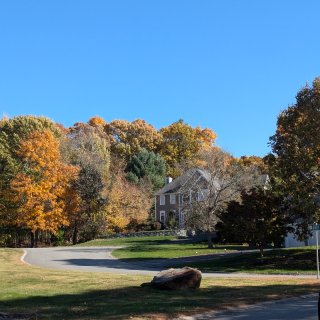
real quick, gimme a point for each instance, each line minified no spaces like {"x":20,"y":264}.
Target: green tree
{"x":296,"y":145}
{"x":147,"y":165}
{"x":257,"y":219}
{"x":87,"y":221}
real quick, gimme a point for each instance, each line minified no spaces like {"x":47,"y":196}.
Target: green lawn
{"x":48,"y":294}
{"x":283,"y":261}
{"x":159,"y":247}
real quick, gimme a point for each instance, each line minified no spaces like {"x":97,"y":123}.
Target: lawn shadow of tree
{"x":125,"y":302}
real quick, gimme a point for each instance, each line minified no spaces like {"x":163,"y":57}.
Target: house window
{"x":202,"y":195}
{"x":172,"y":199}
{"x":162,"y":200}
{"x":162,"y":216}
{"x":182,"y":219}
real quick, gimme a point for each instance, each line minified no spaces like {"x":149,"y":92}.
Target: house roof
{"x":190,"y":177}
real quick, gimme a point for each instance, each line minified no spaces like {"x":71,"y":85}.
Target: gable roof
{"x":190,"y":177}
{"x":193,"y":176}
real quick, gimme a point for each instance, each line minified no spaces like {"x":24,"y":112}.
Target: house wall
{"x":167,"y":207}
{"x":290,"y":241}
{"x":180,"y":207}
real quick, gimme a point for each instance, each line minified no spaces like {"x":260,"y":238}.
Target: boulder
{"x":176,"y":279}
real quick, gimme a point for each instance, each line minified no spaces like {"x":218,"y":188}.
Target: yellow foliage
{"x":183,"y":143}
{"x":128,"y":138}
{"x":126,"y":203}
{"x":40,"y":190}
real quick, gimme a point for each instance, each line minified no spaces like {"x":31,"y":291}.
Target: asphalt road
{"x":298,"y":308}
{"x":100,"y":259}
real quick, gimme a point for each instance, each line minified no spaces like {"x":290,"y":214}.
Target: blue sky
{"x":229,"y":65}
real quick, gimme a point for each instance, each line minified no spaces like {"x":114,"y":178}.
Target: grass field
{"x":49,"y":294}
{"x":159,"y":247}
{"x":284,"y":261}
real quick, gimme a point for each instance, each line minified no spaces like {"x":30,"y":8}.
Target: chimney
{"x":167,"y":180}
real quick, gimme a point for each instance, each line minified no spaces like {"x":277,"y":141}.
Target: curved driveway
{"x":100,"y":259}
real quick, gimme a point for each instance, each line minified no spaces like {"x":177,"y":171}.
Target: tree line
{"x":73,"y":184}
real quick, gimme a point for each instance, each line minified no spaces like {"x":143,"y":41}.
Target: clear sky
{"x":231,"y":65}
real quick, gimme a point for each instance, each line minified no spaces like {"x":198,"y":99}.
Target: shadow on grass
{"x":127,"y":264}
{"x":122,"y":303}
{"x":145,"y":264}
{"x":293,"y":260}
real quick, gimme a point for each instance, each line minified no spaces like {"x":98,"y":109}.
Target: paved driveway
{"x":100,"y":259}
{"x":96,"y":259}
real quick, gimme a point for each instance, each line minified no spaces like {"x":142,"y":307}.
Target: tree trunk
{"x":261,"y":251}
{"x":36,"y":238}
{"x":75,"y":234}
{"x":32,"y":242}
{"x":209,"y":238}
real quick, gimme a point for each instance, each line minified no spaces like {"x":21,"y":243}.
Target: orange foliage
{"x":40,"y":190}
{"x":96,"y":122}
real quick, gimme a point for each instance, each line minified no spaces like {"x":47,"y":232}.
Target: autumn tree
{"x":127,"y":203}
{"x":86,"y":219}
{"x":12,"y":132}
{"x":128,"y":138}
{"x":182,"y":143}
{"x":259,"y":219}
{"x":223,"y":180}
{"x":39,"y":190}
{"x":296,"y":145}
{"x":256,"y":161}
{"x":97,"y":122}
{"x":146,"y":165}
{"x":88,"y":147}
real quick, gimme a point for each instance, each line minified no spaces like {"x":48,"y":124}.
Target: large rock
{"x":176,"y":279}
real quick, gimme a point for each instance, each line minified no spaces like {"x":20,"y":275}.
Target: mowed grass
{"x":159,"y":247}
{"x":47,"y":294}
{"x":300,"y":260}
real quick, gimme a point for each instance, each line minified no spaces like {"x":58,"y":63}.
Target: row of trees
{"x":74,"y":183}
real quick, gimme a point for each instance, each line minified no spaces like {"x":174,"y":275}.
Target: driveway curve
{"x":100,"y":259}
